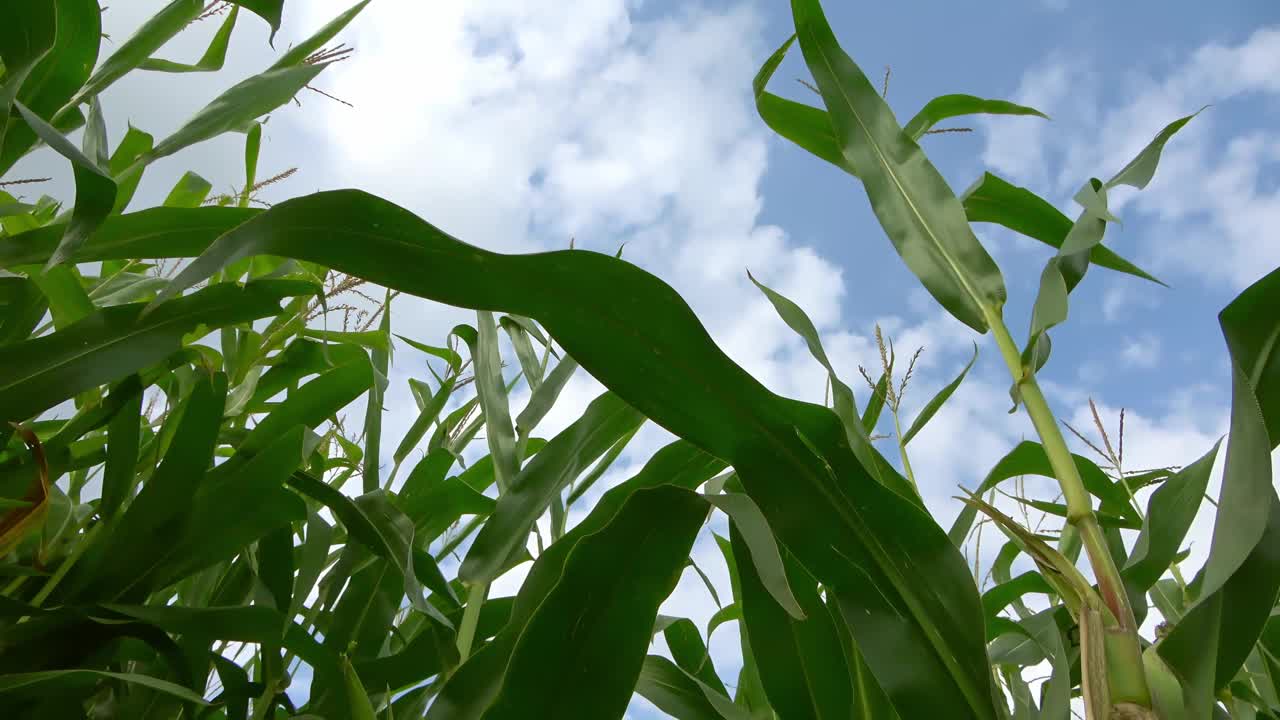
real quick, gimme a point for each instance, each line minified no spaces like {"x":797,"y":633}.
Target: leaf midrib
{"x":952,"y":264}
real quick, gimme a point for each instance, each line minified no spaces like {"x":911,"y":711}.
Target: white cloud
{"x":1210,"y":195}
{"x":1141,"y":352}
{"x":1124,"y":295}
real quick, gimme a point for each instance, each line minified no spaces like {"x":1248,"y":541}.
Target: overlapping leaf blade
{"x":706,"y":398}
{"x":909,"y":196}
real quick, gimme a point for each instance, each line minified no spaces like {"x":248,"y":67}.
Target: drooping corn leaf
{"x":214,"y":56}
{"x":918,"y":211}
{"x":134,"y":51}
{"x":450,"y":357}
{"x":51,"y":681}
{"x":846,"y":408}
{"x":805,"y":125}
{"x":994,"y":200}
{"x":681,"y":695}
{"x":601,"y":645}
{"x":95,"y":190}
{"x":605,"y":420}
{"x":802,"y":663}
{"x":1139,"y":171}
{"x":242,"y":103}
{"x":949,"y":106}
{"x":751,"y":528}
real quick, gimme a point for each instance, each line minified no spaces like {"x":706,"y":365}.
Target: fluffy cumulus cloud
{"x":1214,"y":194}
{"x":517,"y":127}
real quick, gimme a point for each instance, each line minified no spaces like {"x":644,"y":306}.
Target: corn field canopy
{"x":193,"y":526}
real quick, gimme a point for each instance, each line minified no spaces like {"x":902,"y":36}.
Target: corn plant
{"x":190,"y":525}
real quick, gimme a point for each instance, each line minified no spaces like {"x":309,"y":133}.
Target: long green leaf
{"x":491,"y":390}
{"x":113,"y":566}
{"x":681,"y":695}
{"x":380,"y":359}
{"x":908,"y":195}
{"x":750,"y":691}
{"x":93,"y":143}
{"x":50,"y":681}
{"x":846,"y":408}
{"x":154,"y":233}
{"x":542,"y":399}
{"x":360,"y":708}
{"x":95,"y":190}
{"x":470,"y":691}
{"x":238,"y":506}
{"x":525,"y":353}
{"x":949,"y":106}
{"x":1252,"y":332}
{"x":690,"y":652}
{"x":991,"y":199}
{"x":123,"y":165}
{"x":750,"y":525}
{"x":1142,"y":167}
{"x":242,"y":103}
{"x":313,"y":403}
{"x":1193,"y":652}
{"x":583,"y":658}
{"x":37,"y":374}
{"x":437,"y":506}
{"x":802,"y":663}
{"x":1170,"y":512}
{"x":122,"y":456}
{"x":132,"y":53}
{"x":935,"y":403}
{"x":806,"y":126}
{"x":419,"y":428}
{"x":450,"y":357}
{"x":605,"y":420}
{"x":302,"y":50}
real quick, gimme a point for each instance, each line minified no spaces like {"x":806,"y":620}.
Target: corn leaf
{"x":917,"y":209}
{"x":949,"y":106}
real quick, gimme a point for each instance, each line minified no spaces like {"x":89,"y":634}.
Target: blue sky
{"x":517,"y":125}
